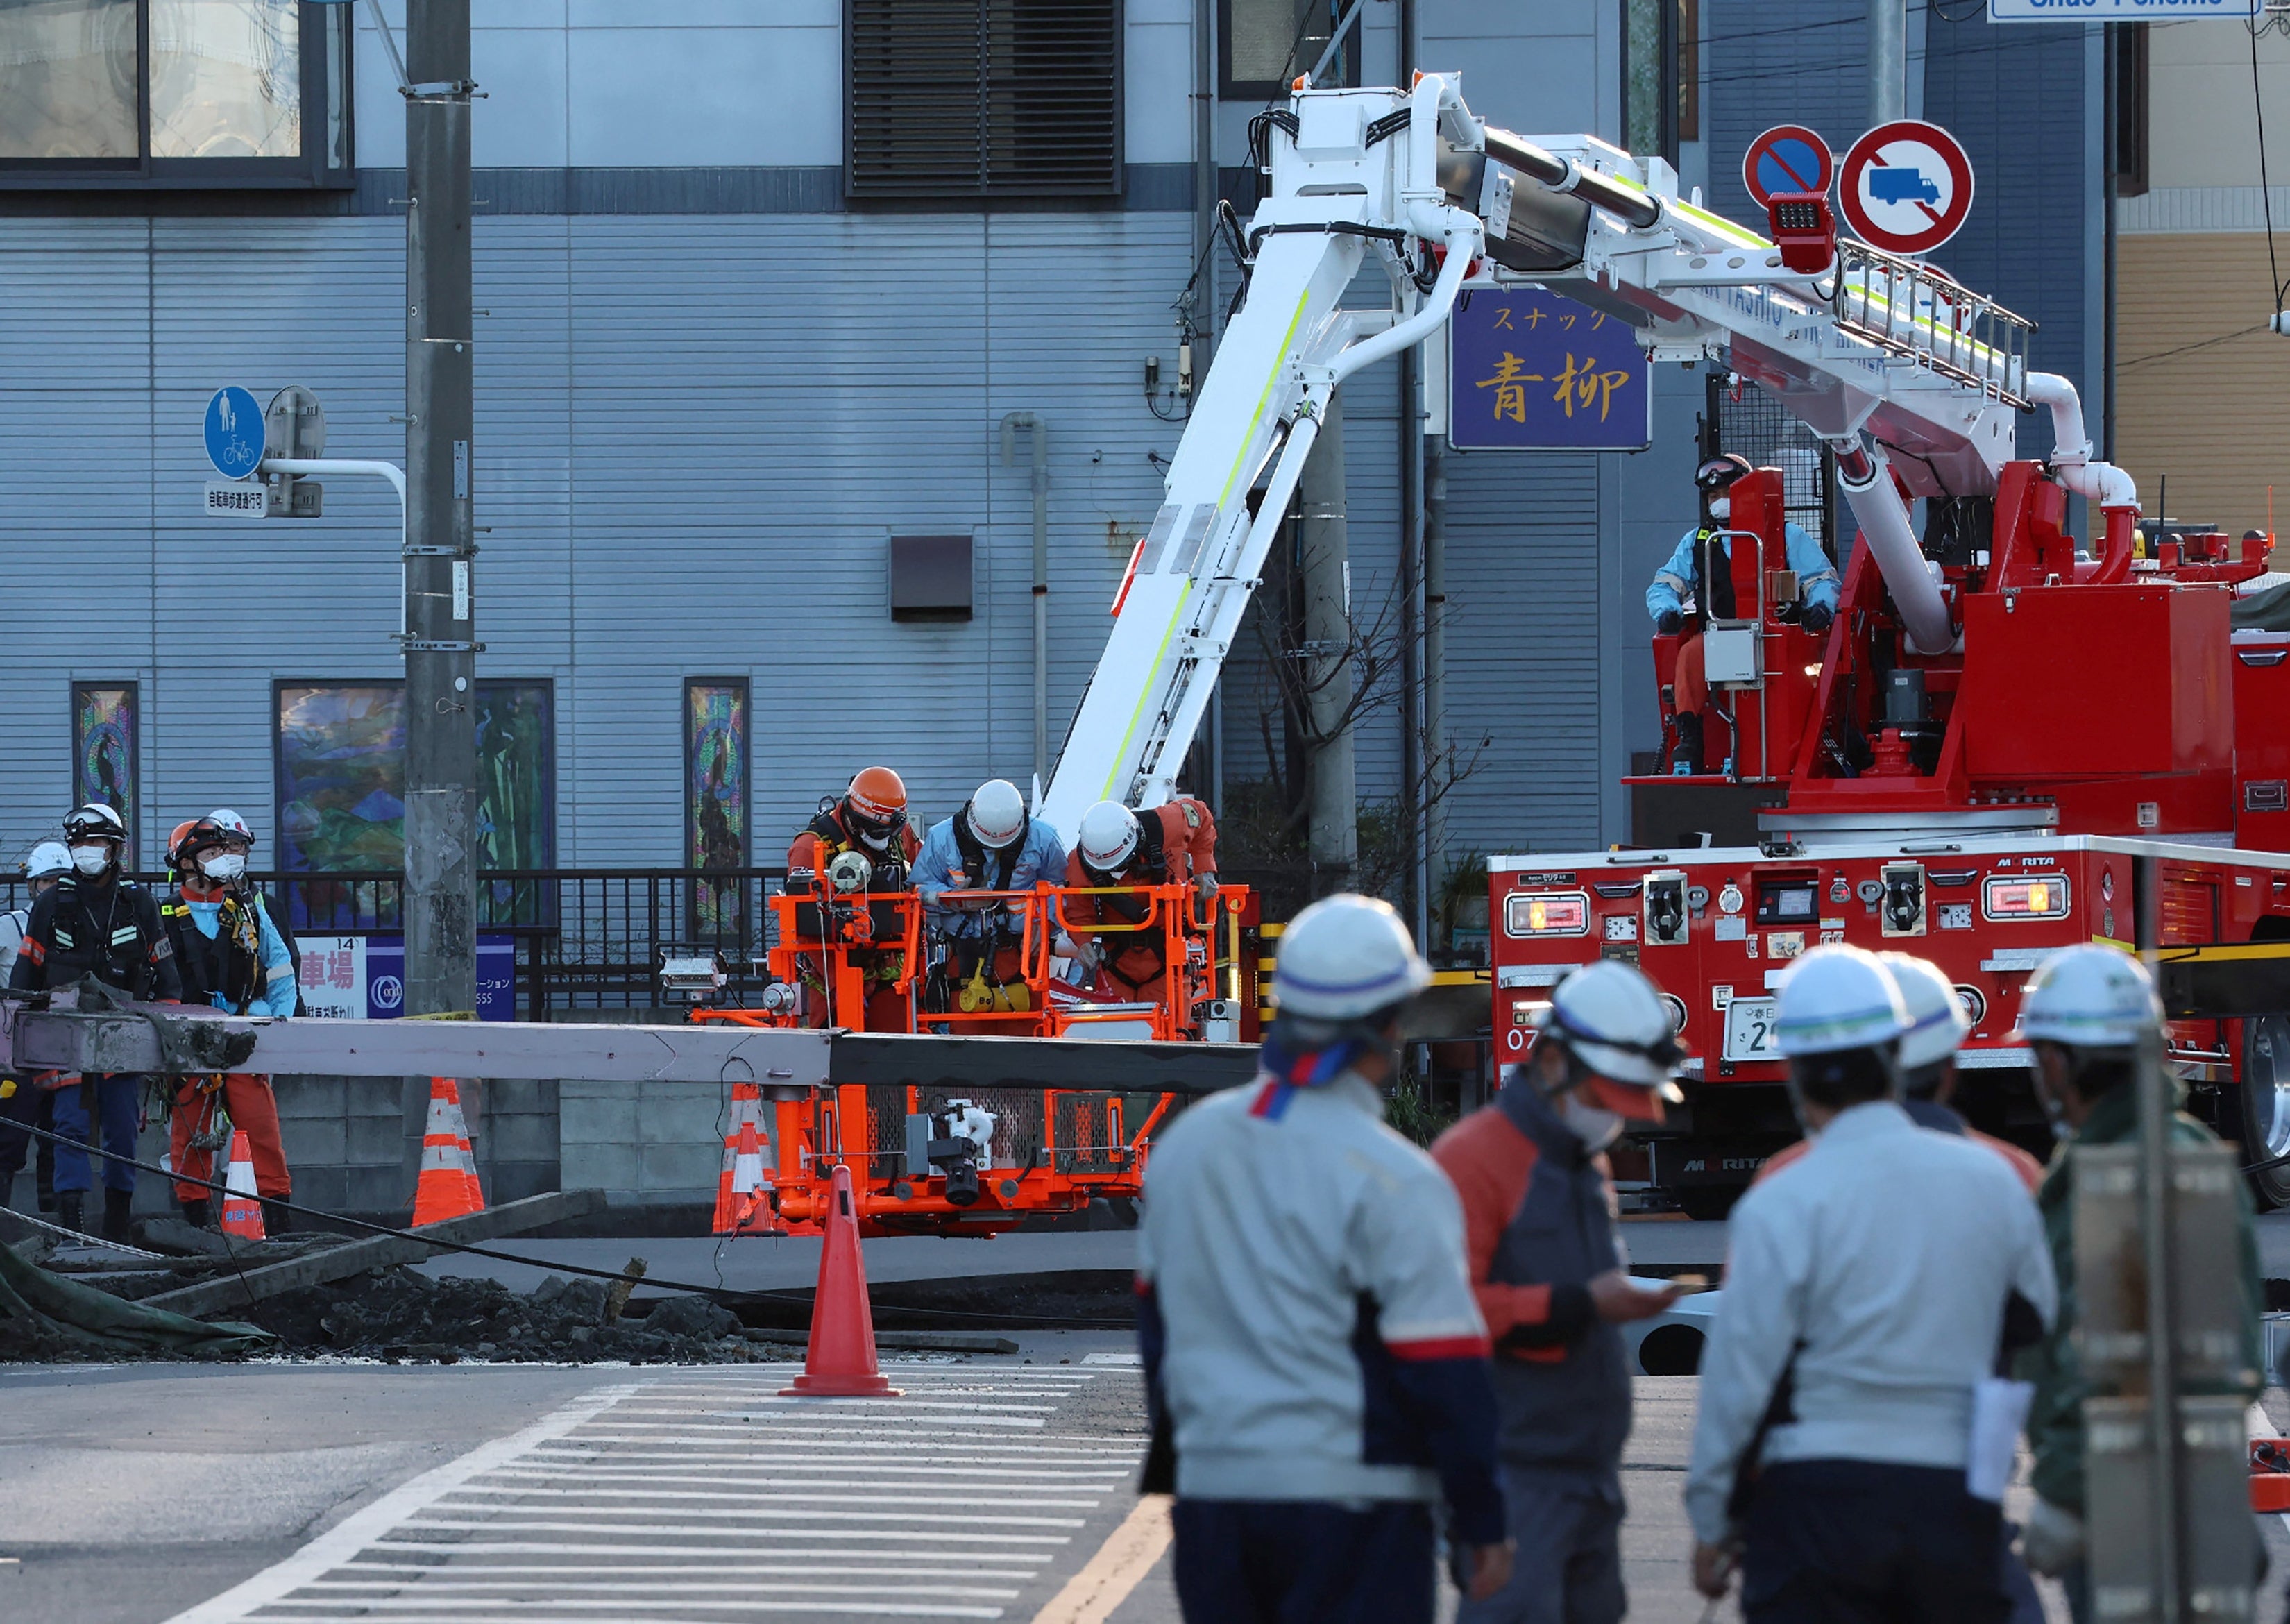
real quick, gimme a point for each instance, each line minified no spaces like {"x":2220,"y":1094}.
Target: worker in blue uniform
{"x":991,"y":845}
{"x":1677,"y":590}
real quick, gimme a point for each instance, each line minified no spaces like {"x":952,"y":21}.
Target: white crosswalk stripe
{"x":702,"y":1497}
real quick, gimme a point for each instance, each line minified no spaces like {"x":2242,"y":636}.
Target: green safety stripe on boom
{"x":1185,"y":596}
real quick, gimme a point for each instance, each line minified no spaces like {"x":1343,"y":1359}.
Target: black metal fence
{"x":581,"y":938}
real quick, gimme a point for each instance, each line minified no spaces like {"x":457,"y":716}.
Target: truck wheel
{"x":2266,"y":1105}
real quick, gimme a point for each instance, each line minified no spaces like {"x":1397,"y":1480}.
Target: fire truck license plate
{"x":1749,"y":1030}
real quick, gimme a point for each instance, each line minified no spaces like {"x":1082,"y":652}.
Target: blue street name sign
{"x":1531,"y":371}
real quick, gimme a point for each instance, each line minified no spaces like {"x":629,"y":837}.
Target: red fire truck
{"x":2099,"y":754}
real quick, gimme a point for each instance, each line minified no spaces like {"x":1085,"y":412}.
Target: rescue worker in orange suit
{"x":1553,"y":1286}
{"x":1171,"y":844}
{"x":95,"y":923}
{"x":234,"y":957}
{"x":869,"y":818}
{"x":1700,"y":569}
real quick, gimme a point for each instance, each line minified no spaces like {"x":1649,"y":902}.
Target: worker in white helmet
{"x":1549,"y":1270}
{"x":1928,"y":1070}
{"x":1867,"y":1292}
{"x":20,"y":1103}
{"x":1313,"y":1354}
{"x":991,"y":845}
{"x":1174,"y":843}
{"x":2085,"y":1012}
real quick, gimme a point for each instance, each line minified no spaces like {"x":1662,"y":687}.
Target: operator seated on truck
{"x":990,"y":846}
{"x":869,"y":820}
{"x":1171,"y":844}
{"x":1675,"y":593}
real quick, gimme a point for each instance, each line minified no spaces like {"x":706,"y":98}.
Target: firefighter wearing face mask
{"x":1549,"y":1272}
{"x":233,"y":957}
{"x":863,"y":842}
{"x":21,"y":1104}
{"x":1700,"y":569}
{"x":1171,"y":844}
{"x":94,"y":923}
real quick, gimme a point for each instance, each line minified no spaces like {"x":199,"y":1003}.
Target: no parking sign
{"x":1787,"y":158}
{"x":1906,"y":187}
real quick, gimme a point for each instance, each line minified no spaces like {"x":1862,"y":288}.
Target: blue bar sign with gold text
{"x":1531,"y":371}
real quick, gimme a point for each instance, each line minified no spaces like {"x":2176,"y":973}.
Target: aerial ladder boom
{"x":1881,"y":357}
{"x":1355,"y":177}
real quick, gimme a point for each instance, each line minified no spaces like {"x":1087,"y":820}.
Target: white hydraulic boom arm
{"x":1931,"y":371}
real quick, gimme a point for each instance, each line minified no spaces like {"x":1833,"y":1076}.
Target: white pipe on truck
{"x":2072,"y":462}
{"x":1866,"y":478}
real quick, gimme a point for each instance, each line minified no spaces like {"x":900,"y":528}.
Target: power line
{"x":2265,"y":194}
{"x":2164,"y":355}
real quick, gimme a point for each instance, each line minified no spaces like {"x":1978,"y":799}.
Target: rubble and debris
{"x":399,"y":1313}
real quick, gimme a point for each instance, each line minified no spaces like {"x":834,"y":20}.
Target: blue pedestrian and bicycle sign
{"x":234,"y":433}
{"x":1787,"y":158}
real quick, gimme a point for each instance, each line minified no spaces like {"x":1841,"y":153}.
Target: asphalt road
{"x":995,"y":1488}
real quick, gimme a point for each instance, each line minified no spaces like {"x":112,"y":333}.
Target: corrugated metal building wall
{"x":707,"y":397}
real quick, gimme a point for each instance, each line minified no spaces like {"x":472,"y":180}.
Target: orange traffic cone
{"x":242,"y":1205}
{"x":839,"y":1362}
{"x":742,"y":1193}
{"x":447,"y":1187}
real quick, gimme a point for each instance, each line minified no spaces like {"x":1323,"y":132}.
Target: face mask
{"x":1721,"y":508}
{"x":1596,"y":1126}
{"x":91,"y":860}
{"x":223,"y":866}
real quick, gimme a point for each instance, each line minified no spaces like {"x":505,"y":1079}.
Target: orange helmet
{"x":175,"y":840}
{"x":877,"y":799}
{"x":189,"y":839}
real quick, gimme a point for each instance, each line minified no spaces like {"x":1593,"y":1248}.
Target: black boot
{"x":276,"y":1220}
{"x":118,"y":1209}
{"x":198,"y":1213}
{"x":1687,"y":757}
{"x":67,"y":1207}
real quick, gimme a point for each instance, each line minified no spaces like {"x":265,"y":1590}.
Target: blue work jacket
{"x":1679,"y":578}
{"x":941,"y":867}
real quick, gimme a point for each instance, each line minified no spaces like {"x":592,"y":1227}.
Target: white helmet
{"x":231,"y":824}
{"x":1345,"y":957}
{"x":47,"y":861}
{"x":1835,"y":998}
{"x":1936,"y":1022}
{"x":1612,"y":1018}
{"x":1108,"y":835}
{"x":2090,"y":997}
{"x":996,"y":814}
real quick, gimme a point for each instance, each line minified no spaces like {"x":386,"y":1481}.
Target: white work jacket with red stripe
{"x":1306,"y":1308}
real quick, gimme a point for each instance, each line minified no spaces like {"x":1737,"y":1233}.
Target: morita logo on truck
{"x":1553,"y":878}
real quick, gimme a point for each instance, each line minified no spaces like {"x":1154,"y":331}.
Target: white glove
{"x":1089,"y":955}
{"x":1206,"y":886}
{"x":2052,"y":1540}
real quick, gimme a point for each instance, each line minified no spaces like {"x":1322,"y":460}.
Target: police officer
{"x":1538,"y":1200}
{"x":20,"y":1103}
{"x":230,"y":954}
{"x":2084,"y":1014}
{"x":94,"y":923}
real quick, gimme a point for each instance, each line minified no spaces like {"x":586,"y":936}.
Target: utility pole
{"x":1324,"y":663}
{"x":441,"y":738}
{"x":1888,"y":61}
